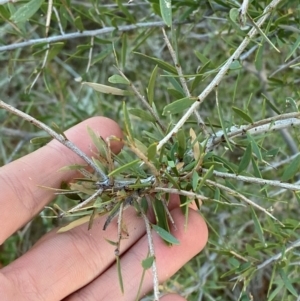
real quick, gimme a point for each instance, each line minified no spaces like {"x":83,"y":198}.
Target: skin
{"x":79,"y":265}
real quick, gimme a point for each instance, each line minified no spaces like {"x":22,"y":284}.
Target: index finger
{"x":21,"y":196}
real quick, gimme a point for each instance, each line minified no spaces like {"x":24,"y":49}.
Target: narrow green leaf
{"x":40,"y":140}
{"x":233,"y":15}
{"x":172,"y":180}
{"x":202,"y":58}
{"x":118,"y":262}
{"x":165,"y":235}
{"x":181,"y":139}
{"x":262,"y":33}
{"x":206,"y":176}
{"x":124,"y":167}
{"x":151,"y":151}
{"x":161,"y":64}
{"x":105,"y":89}
{"x":178,"y":106}
{"x":144,"y":115}
{"x":98,"y":142}
{"x":221,"y":118}
{"x":287,"y":283}
{"x":58,"y":130}
{"x":242,"y":114}
{"x":291,"y":169}
{"x":147,"y":263}
{"x":255,"y":147}
{"x":26,"y":11}
{"x":151,"y":85}
{"x":127,"y":122}
{"x":246,"y":158}
{"x":78,"y":23}
{"x":270,"y":103}
{"x":195,"y":180}
{"x":294,"y":48}
{"x":166,"y":11}
{"x":199,"y":76}
{"x":118,"y":79}
{"x":257,"y":225}
{"x":124,"y":49}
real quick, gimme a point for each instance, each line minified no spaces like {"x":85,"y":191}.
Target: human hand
{"x":80,"y":264}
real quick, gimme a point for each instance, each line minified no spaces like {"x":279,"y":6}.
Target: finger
{"x":21,"y":196}
{"x":60,"y":264}
{"x":172,"y":297}
{"x":168,"y":260}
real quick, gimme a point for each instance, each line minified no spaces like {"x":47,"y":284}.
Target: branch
{"x":223,"y":71}
{"x":193,"y":195}
{"x":59,"y":137}
{"x":243,"y":198}
{"x":183,"y":81}
{"x":253,"y":180}
{"x":83,"y":34}
{"x":293,"y":245}
{"x":262,"y":126}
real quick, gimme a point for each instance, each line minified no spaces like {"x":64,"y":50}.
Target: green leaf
{"x":120,"y":274}
{"x":58,"y":130}
{"x":124,"y":167}
{"x":166,"y":11}
{"x":257,"y":225}
{"x":202,"y":58}
{"x":151,"y":151}
{"x":151,"y":85}
{"x":124,"y":49}
{"x":195,"y":180}
{"x":245,"y":159}
{"x":144,"y":115}
{"x":165,"y":235}
{"x":291,"y":169}
{"x":98,"y":142}
{"x":78,"y":23}
{"x":161,"y":64}
{"x":40,"y":140}
{"x":105,"y":89}
{"x":242,"y":114}
{"x":147,"y":263}
{"x":233,"y":15}
{"x":206,"y":176}
{"x":294,"y":48}
{"x":26,"y":11}
{"x":178,"y":106}
{"x":287,"y":282}
{"x":221,"y":118}
{"x":255,"y":147}
{"x":181,"y":139}
{"x":118,"y":79}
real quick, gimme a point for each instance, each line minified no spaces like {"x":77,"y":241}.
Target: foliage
{"x":210,"y":110}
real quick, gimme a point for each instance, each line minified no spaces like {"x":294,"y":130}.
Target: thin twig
{"x":243,"y":13}
{"x":63,"y":140}
{"x":144,"y":101}
{"x":276,"y":257}
{"x":83,"y":34}
{"x":58,"y":21}
{"x":221,"y":74}
{"x":183,"y":82}
{"x":85,"y":202}
{"x":48,"y":18}
{"x":152,"y":253}
{"x":243,"y":198}
{"x":259,"y":127}
{"x":193,"y":195}
{"x":42,"y":67}
{"x":90,"y":55}
{"x":253,"y":180}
